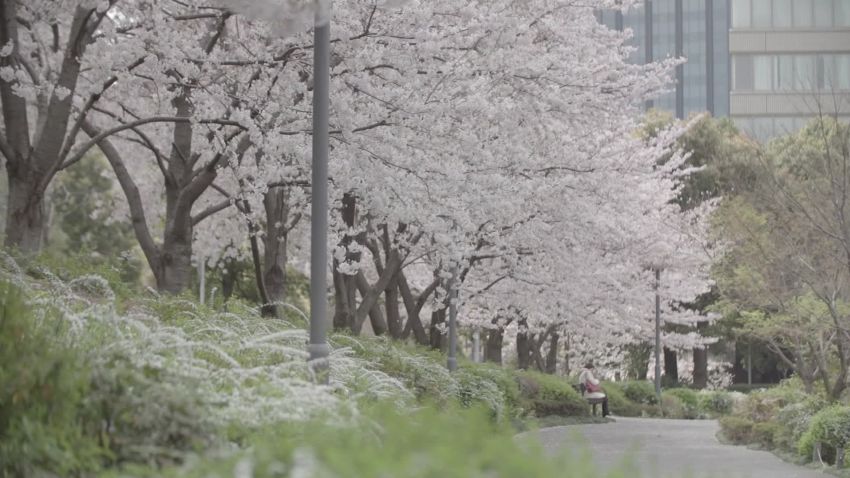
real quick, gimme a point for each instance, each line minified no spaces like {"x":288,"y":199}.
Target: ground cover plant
{"x":798,"y":425}
{"x":638,"y":399}
{"x":152,"y":384}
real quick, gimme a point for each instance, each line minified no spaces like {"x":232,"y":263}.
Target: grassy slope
{"x":163,"y":381}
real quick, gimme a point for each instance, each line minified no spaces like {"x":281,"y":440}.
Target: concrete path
{"x":669,"y":448}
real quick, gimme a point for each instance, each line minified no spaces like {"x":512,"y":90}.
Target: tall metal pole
{"x":202,"y":279}
{"x":318,"y":347}
{"x":657,"y":335}
{"x":452,"y":362}
{"x":476,"y":345}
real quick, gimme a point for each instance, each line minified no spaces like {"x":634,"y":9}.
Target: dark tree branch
{"x":133,"y":124}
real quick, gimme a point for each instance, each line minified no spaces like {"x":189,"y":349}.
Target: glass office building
{"x":790,"y":63}
{"x":697,"y":30}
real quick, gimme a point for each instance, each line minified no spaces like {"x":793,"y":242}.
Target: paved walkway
{"x":669,"y":448}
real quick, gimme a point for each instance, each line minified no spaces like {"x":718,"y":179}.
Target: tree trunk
{"x":393,"y":317}
{"x":701,"y":362}
{"x":228,"y":279}
{"x":176,"y":262}
{"x":345,"y":286}
{"x":671,"y":366}
{"x":700,"y":368}
{"x":275,"y":242}
{"x":376,"y":318}
{"x":552,"y":354}
{"x":493,"y":347}
{"x":523,"y":346}
{"x":343,"y":299}
{"x":31,"y":167}
{"x":567,"y":355}
{"x":413,"y":306}
{"x":25,"y":213}
{"x":437,"y":317}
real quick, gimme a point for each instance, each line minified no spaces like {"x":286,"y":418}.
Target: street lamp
{"x":318,"y":347}
{"x":453,"y":295}
{"x":451,"y":364}
{"x":657,"y":335}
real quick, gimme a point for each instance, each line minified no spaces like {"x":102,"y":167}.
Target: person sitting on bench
{"x":591,"y":388}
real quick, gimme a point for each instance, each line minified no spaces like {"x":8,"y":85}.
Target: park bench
{"x":593,"y":402}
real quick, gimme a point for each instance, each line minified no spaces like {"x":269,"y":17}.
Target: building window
{"x":823,"y":13}
{"x":761,"y":13}
{"x":826,"y":72}
{"x":842,"y":13}
{"x":782,"y":13}
{"x":743,"y":72}
{"x":803,"y":13}
{"x":784,"y":73}
{"x":741,"y":14}
{"x":804,"y":72}
{"x":763,"y":72}
{"x":842,"y":72}
{"x":791,"y":72}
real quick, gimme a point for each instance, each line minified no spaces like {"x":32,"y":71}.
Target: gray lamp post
{"x":657,"y":335}
{"x":453,"y":295}
{"x":318,"y":347}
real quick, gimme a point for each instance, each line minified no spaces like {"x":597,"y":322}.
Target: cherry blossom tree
{"x":46,"y":48}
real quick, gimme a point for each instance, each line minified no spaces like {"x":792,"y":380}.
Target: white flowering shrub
{"x":169,"y":375}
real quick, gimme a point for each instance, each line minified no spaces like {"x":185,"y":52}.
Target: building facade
{"x":790,"y":62}
{"x":695,"y":29}
{"x":770,"y":65}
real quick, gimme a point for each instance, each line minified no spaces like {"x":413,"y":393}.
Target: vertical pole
{"x":709,"y":56}
{"x":749,"y":363}
{"x":648,"y":41}
{"x":202,"y":279}
{"x":657,"y":335}
{"x":452,"y":361}
{"x":476,"y":345}
{"x":318,"y":347}
{"x":680,"y":52}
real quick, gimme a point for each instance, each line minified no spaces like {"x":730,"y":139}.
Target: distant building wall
{"x":695,"y":29}
{"x":790,"y":63}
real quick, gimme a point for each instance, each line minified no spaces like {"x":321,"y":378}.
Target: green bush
{"x":715,"y":403}
{"x":618,"y":403}
{"x":794,"y":419}
{"x":830,"y":427}
{"x":422,"y":371}
{"x":764,"y":434}
{"x":427,"y":443}
{"x":689,"y":402}
{"x":672,"y":407}
{"x":146,"y":416}
{"x":738,"y":430}
{"x":762,"y":406}
{"x":640,"y":391}
{"x":43,"y":386}
{"x":478,"y":386}
{"x":550,"y":395}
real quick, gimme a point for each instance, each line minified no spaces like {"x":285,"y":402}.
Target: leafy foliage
{"x":689,"y":399}
{"x":640,"y":391}
{"x":454,"y":443}
{"x":737,"y":429}
{"x":830,"y":427}
{"x":550,"y":395}
{"x":715,"y":403}
{"x":43,"y":386}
